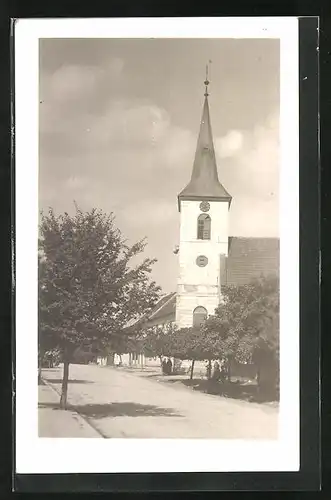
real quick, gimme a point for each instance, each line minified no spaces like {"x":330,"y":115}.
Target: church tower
{"x":203,"y":245}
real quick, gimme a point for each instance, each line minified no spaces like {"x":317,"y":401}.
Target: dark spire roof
{"x":204,"y":181}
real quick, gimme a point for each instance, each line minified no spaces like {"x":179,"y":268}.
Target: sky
{"x":118,"y":125}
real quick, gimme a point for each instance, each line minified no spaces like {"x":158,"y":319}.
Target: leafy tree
{"x":245,"y":327}
{"x":46,"y":339}
{"x":196,"y":344}
{"x":88,"y":287}
{"x":157,"y":341}
{"x":247,"y":322}
{"x":167,"y":340}
{"x":184,"y":343}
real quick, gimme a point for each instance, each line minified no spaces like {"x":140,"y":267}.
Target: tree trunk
{"x":110,"y":359}
{"x":192,"y":369}
{"x":160,"y":358}
{"x":209,"y":370}
{"x":64,"y":391}
{"x":229,"y":370}
{"x":258,"y":375}
{"x":40,"y":361}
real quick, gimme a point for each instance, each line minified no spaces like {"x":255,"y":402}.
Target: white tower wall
{"x":200,"y":286}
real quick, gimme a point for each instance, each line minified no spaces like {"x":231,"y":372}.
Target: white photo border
{"x":121,"y":455}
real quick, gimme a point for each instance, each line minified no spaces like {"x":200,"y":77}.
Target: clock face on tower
{"x":201,"y":261}
{"x":204,"y":206}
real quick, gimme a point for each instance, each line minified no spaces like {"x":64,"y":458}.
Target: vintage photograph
{"x":159,"y":239}
{"x":157,"y":245}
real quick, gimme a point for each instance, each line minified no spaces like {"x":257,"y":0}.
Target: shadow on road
{"x":232,"y":390}
{"x":70,"y":381}
{"x":173,"y":377}
{"x":125,"y":409}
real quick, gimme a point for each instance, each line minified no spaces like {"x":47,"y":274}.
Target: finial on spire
{"x":206,"y":82}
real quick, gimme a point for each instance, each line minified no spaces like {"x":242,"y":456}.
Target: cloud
{"x":128,"y":152}
{"x":114,"y":67}
{"x":151,"y":212}
{"x":129,"y":124}
{"x":178,"y":147}
{"x":74,"y":183}
{"x":73,"y":81}
{"x":141,"y":138}
{"x":68,"y":93}
{"x":230,"y":144}
{"x":105,"y":145}
{"x":251,"y":174}
{"x":263,"y":213}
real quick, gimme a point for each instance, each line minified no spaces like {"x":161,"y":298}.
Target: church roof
{"x":204,"y":181}
{"x":164,"y":307}
{"x":248,"y":258}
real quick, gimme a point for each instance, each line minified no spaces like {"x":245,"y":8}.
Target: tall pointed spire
{"x":204,"y":181}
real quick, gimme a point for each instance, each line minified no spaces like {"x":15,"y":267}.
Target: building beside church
{"x":209,"y":257}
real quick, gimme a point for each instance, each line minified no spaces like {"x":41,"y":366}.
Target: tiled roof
{"x":132,"y":322}
{"x":165,"y":306}
{"x":249,"y":258}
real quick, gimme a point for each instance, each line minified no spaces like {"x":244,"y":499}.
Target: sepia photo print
{"x":162,"y":239}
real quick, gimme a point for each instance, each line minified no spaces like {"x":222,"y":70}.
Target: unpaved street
{"x":119,"y":403}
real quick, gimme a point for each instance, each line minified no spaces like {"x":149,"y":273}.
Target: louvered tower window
{"x":204,"y":225}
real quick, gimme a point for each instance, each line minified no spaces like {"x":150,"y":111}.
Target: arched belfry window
{"x":204,"y":225}
{"x":199,"y":316}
